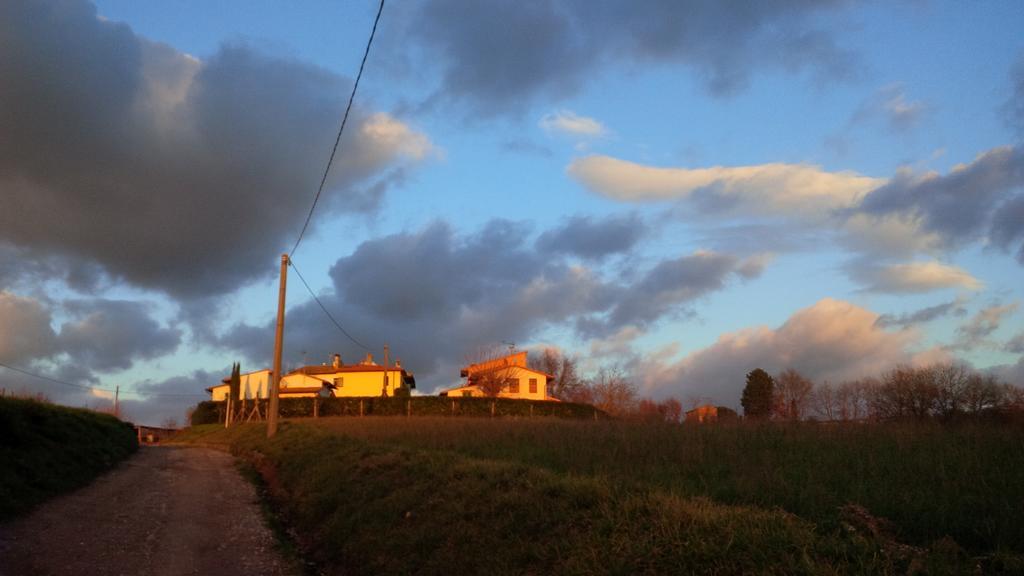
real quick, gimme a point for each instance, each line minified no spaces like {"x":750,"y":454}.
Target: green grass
{"x":47,"y":449}
{"x":442,"y":495}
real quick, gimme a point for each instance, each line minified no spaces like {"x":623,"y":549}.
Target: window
{"x":533,"y":385}
{"x":339,"y":382}
{"x":513,"y":386}
{"x":467,"y":394}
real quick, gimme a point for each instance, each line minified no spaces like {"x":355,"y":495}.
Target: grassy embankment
{"x":434,"y":495}
{"x":47,"y":449}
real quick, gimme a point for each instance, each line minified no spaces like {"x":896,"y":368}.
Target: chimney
{"x":398,"y":363}
{"x":337,"y":361}
{"x":368,"y":361}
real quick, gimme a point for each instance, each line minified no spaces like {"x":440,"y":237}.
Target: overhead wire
{"x":324,"y":308}
{"x":96,"y":388}
{"x":302,"y":232}
{"x":337,"y":140}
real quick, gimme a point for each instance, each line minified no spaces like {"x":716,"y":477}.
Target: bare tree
{"x":791,"y":395}
{"x":825,"y":402}
{"x":613,"y":393}
{"x":983,"y":392}
{"x":488,"y":372}
{"x":564,"y":381}
{"x":951,"y":382}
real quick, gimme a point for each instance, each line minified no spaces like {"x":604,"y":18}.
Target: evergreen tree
{"x":757,"y":395}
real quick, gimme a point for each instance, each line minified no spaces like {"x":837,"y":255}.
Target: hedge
{"x":213,"y":412}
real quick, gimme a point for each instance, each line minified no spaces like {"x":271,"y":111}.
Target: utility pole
{"x":385,"y":392}
{"x":275,"y":382}
{"x":117,"y":405}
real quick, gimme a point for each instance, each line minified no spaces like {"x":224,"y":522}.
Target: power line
{"x":54,"y":380}
{"x":324,"y":308}
{"x":337,"y":140}
{"x":94,"y":388}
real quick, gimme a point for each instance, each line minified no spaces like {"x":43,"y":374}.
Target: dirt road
{"x":167,"y":511}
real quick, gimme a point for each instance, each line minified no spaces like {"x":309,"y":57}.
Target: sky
{"x":681,"y":190}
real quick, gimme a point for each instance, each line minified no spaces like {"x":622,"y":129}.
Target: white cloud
{"x":831,"y":340}
{"x":915,"y":277}
{"x":568,"y":122}
{"x":776,"y":189}
{"x":386,"y":134}
{"x":975,"y":332}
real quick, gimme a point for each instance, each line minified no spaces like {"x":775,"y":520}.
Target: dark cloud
{"x":98,"y":336}
{"x":961,"y":206}
{"x":435,"y":296}
{"x":674,"y":282}
{"x":927,"y":314}
{"x":25,"y":332}
{"x":500,"y":54}
{"x":593,"y":239}
{"x":1008,"y":226}
{"x":173,"y":174}
{"x":154,"y":402}
{"x":113,"y":334}
{"x":1015,"y":345}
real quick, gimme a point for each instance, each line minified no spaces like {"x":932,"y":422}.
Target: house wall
{"x":523,"y":376}
{"x":255,"y":385}
{"x":354,"y":384}
{"x":219,"y":393}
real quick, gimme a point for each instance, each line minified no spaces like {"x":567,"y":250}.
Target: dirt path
{"x":167,"y":511}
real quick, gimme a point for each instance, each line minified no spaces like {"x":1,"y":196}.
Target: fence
{"x":213,"y":412}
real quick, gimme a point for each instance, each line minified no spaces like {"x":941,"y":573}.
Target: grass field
{"x":397,"y":495}
{"x":47,"y":449}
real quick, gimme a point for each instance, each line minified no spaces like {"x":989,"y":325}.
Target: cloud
{"x":155,"y":401}
{"x":902,"y":217}
{"x":500,"y":55}
{"x":25,"y":331}
{"x":489,"y":286}
{"x":114,"y":334}
{"x":591,"y":238}
{"x":98,"y":336}
{"x":975,"y":332}
{"x":677,"y":281}
{"x":959,"y":207}
{"x":913,"y":277}
{"x":830,"y":340}
{"x":1015,"y":345}
{"x":766,"y":189}
{"x":172,"y":173}
{"x":924,"y":315}
{"x":567,"y":122}
{"x":890,"y":104}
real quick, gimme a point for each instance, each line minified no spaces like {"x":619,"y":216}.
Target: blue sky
{"x":683,"y":190}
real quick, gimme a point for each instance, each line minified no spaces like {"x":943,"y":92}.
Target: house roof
{"x":518,"y":359}
{"x":318,"y":369}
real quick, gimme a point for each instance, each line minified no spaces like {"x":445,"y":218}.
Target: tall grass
{"x":47,"y":449}
{"x":429,"y":495}
{"x":931,"y":481}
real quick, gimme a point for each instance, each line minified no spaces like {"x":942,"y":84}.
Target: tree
{"x":613,"y":393}
{"x":669,"y":410}
{"x":791,"y":395}
{"x":491,"y":380}
{"x":757,"y":395}
{"x":564,"y":381}
{"x":824,"y":400}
